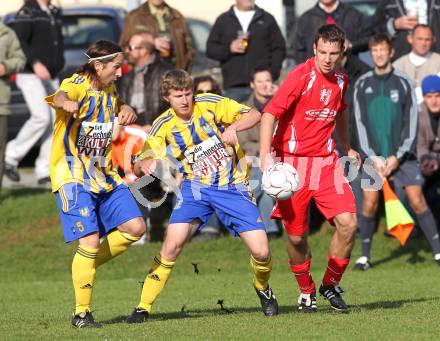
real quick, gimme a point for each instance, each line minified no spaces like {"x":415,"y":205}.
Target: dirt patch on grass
{"x":45,"y":232}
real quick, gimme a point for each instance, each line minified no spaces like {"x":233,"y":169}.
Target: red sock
{"x":335,"y":268}
{"x":303,"y":277}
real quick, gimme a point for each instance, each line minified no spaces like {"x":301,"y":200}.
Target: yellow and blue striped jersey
{"x":81,"y":147}
{"x":197,"y":144}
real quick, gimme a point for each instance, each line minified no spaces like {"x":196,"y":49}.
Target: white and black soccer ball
{"x":280,"y":181}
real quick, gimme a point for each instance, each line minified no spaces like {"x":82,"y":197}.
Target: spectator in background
{"x":420,"y":62}
{"x":428,"y":138}
{"x":140,"y":87}
{"x":12,"y":60}
{"x":204,"y":84}
{"x":243,"y":38}
{"x":263,"y":89}
{"x":398,"y":17}
{"x":329,"y":12}
{"x":386,"y":121}
{"x":38,"y":26}
{"x":172,"y":38}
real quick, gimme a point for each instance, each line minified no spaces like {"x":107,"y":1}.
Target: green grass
{"x":399,"y":299}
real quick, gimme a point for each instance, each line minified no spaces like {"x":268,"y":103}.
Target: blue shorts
{"x":234,"y":205}
{"x":83,"y":212}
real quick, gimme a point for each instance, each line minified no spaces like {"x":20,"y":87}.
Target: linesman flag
{"x":399,"y":222}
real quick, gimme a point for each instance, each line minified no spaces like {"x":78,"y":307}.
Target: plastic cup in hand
{"x":244,"y":36}
{"x":165,"y":53}
{"x":412,"y":12}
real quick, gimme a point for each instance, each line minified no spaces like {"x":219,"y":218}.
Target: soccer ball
{"x":280,"y":181}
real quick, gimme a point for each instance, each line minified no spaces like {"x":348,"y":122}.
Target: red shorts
{"x":321,"y":178}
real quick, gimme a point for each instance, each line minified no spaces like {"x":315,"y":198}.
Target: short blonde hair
{"x":175,"y":80}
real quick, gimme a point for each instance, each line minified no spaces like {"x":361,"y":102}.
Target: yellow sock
{"x":155,"y":282}
{"x":115,"y":243}
{"x":83,"y":276}
{"x":261,"y":272}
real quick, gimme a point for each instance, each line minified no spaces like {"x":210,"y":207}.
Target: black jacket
{"x":154,"y":104}
{"x":354,"y":68}
{"x":385,"y":109}
{"x":389,"y":10}
{"x":40,"y":36}
{"x":267,"y":47}
{"x":349,"y":19}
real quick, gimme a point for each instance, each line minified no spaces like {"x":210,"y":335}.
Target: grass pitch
{"x":399,"y":299}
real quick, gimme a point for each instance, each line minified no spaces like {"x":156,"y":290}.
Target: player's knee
{"x":370,"y":207}
{"x":91,"y":240}
{"x":347,"y":227}
{"x":418,"y":204}
{"x":135,"y":227}
{"x":139,"y":229}
{"x":297,"y":241}
{"x":262,"y":254}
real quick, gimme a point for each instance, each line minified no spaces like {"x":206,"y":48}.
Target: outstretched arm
{"x":246,"y":121}
{"x":266,"y":131}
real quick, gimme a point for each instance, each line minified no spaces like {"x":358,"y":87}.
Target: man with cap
{"x":428,"y":137}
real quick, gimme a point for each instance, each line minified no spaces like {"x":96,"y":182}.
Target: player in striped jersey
{"x":201,"y":133}
{"x":93,"y":201}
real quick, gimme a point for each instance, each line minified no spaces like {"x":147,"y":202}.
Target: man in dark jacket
{"x":386,"y":121}
{"x":393,"y":18}
{"x":243,"y":38}
{"x":140,"y":87}
{"x":38,"y":26}
{"x":329,"y":12}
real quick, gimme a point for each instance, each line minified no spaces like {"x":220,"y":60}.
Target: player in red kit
{"x":309,"y":105}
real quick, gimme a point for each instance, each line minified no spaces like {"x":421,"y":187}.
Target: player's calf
{"x":261,"y":265}
{"x":307,"y":298}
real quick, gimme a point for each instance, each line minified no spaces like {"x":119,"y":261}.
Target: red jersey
{"x":306,"y":106}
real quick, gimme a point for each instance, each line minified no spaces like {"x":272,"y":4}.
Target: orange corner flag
{"x":399,"y":222}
